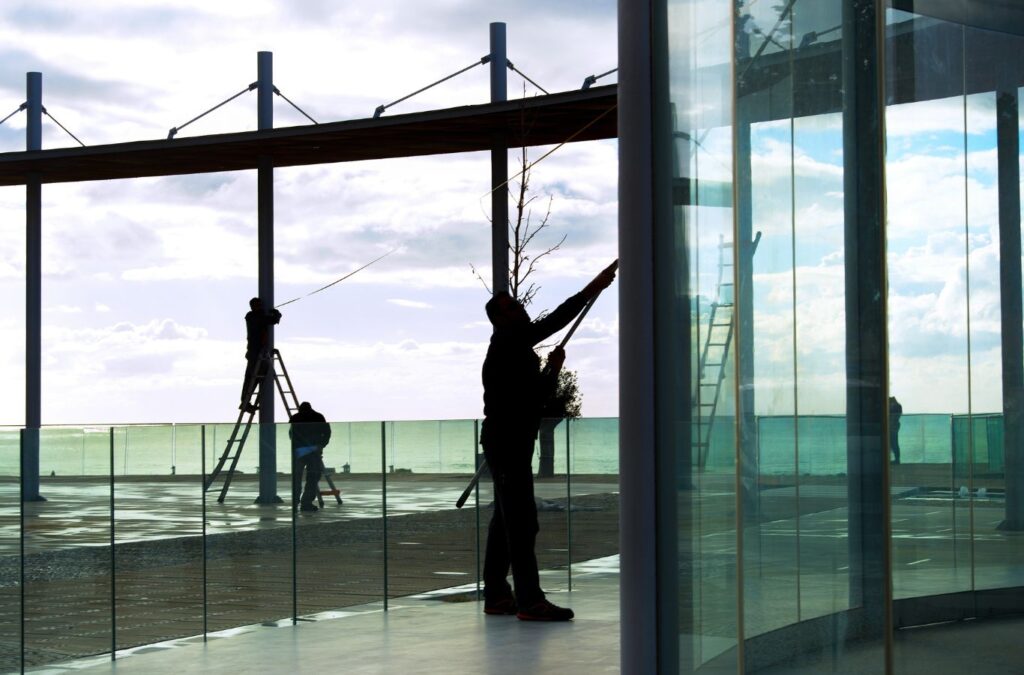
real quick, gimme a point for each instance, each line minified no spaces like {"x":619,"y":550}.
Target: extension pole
{"x":265,"y":229}
{"x":499,"y":166}
{"x":33,"y":295}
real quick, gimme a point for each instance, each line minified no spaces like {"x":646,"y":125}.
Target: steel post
{"x":499,"y":165}
{"x":33,"y":296}
{"x":265,"y":232}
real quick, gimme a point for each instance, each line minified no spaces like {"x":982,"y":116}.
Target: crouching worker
{"x":310,"y":433}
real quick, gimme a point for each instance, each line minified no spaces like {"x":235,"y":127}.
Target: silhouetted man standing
{"x":515,"y":390}
{"x":895,"y":413}
{"x":257,"y":337}
{"x":310,"y":433}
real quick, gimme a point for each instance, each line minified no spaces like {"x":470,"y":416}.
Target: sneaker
{"x":545,"y":611}
{"x":502,"y":606}
{"x":311,"y":508}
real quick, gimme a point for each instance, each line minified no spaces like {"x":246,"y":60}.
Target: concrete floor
{"x":421,"y":634}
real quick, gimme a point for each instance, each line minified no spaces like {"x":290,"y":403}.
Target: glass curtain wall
{"x":954,"y":269}
{"x":780,"y":542}
{"x":848,"y":421}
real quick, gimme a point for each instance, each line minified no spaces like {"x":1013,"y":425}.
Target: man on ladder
{"x":310,"y":433}
{"x":257,"y":325}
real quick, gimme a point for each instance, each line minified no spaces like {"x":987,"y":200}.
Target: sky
{"x":145,"y":282}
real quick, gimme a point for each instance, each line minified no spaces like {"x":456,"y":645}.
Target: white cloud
{"x":411,"y":304}
{"x":63,"y":309}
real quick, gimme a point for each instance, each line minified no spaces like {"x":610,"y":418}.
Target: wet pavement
{"x":78,"y":510}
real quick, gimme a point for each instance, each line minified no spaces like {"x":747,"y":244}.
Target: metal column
{"x":1007,"y":141}
{"x":265,"y":229}
{"x":866,"y":316}
{"x":641,"y":605}
{"x":33,"y":297}
{"x":499,"y":165}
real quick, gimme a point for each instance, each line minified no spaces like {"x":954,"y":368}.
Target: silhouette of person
{"x":310,"y":433}
{"x":515,"y":391}
{"x":895,"y":413}
{"x":257,"y":338}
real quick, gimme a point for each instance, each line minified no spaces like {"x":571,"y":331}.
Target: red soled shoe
{"x":545,"y":611}
{"x":502,"y":606}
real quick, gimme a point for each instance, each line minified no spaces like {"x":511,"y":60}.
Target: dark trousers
{"x":313,"y":464}
{"x":252,"y":365}
{"x":894,"y":443}
{"x":512,"y":535}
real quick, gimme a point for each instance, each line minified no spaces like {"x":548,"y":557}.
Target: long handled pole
{"x":483,"y":465}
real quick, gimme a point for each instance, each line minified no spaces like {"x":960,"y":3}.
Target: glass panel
{"x":67,"y":547}
{"x":10,"y":549}
{"x":791,"y":349}
{"x":767,"y":347}
{"x":482,"y":503}
{"x":819,"y":308}
{"x":997,"y":550}
{"x":431,"y":544}
{"x":552,"y":493}
{"x":696,"y":308}
{"x":249,"y":562}
{"x":928,"y":315}
{"x":340,"y":547}
{"x":984,"y":328}
{"x":158,"y":532}
{"x":593,"y":491}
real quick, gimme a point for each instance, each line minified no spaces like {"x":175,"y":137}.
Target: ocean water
{"x":433,"y":446}
{"x":811,"y":445}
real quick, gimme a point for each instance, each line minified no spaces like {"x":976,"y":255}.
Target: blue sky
{"x":146,"y":281}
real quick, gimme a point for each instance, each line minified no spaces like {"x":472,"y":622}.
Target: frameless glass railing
{"x":139,"y":541}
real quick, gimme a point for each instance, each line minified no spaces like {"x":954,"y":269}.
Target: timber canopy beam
{"x":583,"y":115}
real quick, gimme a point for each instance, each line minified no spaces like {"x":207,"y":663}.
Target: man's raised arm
{"x":541,"y":329}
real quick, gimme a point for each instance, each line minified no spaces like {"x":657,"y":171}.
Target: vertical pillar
{"x":640,"y":603}
{"x":866,"y":350}
{"x":748,"y":471}
{"x":265,"y":232}
{"x":499,"y":165}
{"x":33,"y":296}
{"x":1007,"y":141}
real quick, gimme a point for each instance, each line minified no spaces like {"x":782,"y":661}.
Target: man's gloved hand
{"x":602,"y":281}
{"x":555,"y":360}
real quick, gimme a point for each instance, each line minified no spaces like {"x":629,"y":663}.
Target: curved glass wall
{"x":953,"y":258}
{"x":845,"y":229}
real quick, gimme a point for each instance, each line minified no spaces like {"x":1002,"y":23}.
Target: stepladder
{"x":270,"y":363}
{"x":718,"y":334}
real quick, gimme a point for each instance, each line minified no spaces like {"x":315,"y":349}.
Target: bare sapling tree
{"x":522,"y":233}
{"x":525,"y":253}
